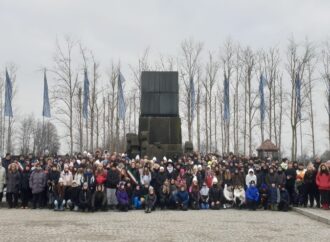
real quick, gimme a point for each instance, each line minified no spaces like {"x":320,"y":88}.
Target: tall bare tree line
{"x":207,"y":129}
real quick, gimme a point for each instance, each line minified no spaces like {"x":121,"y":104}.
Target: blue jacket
{"x":284,"y":196}
{"x":252,"y":193}
{"x":122,"y":196}
{"x":272,"y":195}
{"x":183,"y":197}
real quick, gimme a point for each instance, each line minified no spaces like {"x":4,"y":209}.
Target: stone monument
{"x":159,"y":123}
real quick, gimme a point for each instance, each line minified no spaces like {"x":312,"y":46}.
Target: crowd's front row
{"x":106,"y":185}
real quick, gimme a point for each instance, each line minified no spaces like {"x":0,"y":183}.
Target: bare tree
{"x":295,"y":67}
{"x":191,"y":51}
{"x":66,"y":86}
{"x":227,"y":64}
{"x":26,"y":131}
{"x":326,"y":79}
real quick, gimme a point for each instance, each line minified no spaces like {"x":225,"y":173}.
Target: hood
{"x":251,"y":170}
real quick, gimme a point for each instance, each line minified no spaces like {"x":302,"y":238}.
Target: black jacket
{"x":113,"y":178}
{"x":85,"y":196}
{"x":215,"y":194}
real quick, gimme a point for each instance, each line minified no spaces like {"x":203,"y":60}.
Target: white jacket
{"x":2,"y":177}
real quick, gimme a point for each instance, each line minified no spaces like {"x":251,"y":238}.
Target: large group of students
{"x":104,"y":181}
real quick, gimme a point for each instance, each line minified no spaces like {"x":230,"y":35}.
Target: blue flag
{"x":120,"y":97}
{"x":298,"y":96}
{"x":262,"y":97}
{"x":192,"y":98}
{"x":226,"y":113}
{"x":8,"y":96}
{"x":46,"y":105}
{"x":86,"y":95}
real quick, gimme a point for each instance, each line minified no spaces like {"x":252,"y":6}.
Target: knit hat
{"x":215,"y":180}
{"x":161,"y":168}
{"x":60,"y":180}
{"x":164,"y":158}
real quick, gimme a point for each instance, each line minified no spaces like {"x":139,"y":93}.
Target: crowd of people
{"x":104,"y":181}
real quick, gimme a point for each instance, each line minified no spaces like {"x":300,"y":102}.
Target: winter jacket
{"x":37,"y":181}
{"x":122,"y":196}
{"x":250,"y":178}
{"x":252,"y":193}
{"x":25,"y":179}
{"x":13,"y":182}
{"x":284,"y":196}
{"x":85,"y":196}
{"x":79,"y":178}
{"x":54,"y":176}
{"x":67,"y":178}
{"x":238,"y":180}
{"x":2,"y":178}
{"x":290,"y":177}
{"x":100,"y":178}
{"x":280,"y":178}
{"x":151,"y":200}
{"x":310,"y":177}
{"x":183,"y":197}
{"x":215,"y":194}
{"x":159,"y":179}
{"x":113,"y":178}
{"x":273,"y":193}
{"x":322,"y":181}
{"x":270,"y":179}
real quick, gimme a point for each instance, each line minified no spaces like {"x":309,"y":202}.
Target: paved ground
{"x":225,"y":225}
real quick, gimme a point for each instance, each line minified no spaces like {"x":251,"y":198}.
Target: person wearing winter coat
{"x":194,"y":194}
{"x":67,"y":178}
{"x":164,"y":195}
{"x":113,"y":178}
{"x":173,"y":194}
{"x":284,"y":199}
{"x":99,"y":199}
{"x":310,"y":185}
{"x":2,"y":179}
{"x":137,"y":197}
{"x":239,"y":197}
{"x":252,"y":196}
{"x":145,"y":177}
{"x":182,"y":199}
{"x":323,"y":183}
{"x":273,"y":197}
{"x":13,"y":183}
{"x":85,"y":197}
{"x":150,"y":200}
{"x":300,"y":185}
{"x":89,"y":178}
{"x":73,"y":196}
{"x":264,"y":194}
{"x":290,"y":181}
{"x":238,"y":178}
{"x":79,"y":177}
{"x":215,"y":194}
{"x":59,"y":196}
{"x":25,"y":189}
{"x":122,"y":198}
{"x":280,"y":177}
{"x":52,"y":180}
{"x":250,"y":177}
{"x":37,"y":183}
{"x":204,"y":192}
{"x":271,"y":178}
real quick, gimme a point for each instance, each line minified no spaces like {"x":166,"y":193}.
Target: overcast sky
{"x":123,"y":29}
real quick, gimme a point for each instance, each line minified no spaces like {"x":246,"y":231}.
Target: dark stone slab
{"x":159,"y":94}
{"x":169,"y":104}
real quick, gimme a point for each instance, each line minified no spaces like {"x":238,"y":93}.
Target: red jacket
{"x":323,"y":181}
{"x":101,"y":178}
